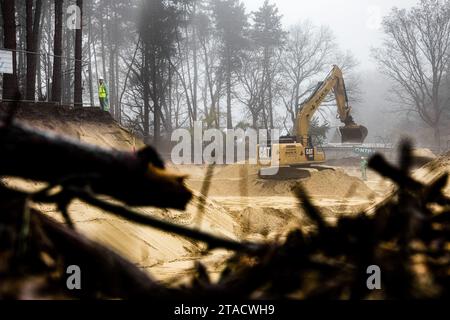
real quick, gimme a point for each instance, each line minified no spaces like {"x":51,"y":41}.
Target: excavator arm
{"x":350,"y":132}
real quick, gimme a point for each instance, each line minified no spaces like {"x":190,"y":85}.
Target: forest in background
{"x":169,"y":63}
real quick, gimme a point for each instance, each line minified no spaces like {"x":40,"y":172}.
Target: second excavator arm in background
{"x":350,"y":132}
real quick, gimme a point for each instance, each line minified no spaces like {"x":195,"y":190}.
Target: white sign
{"x":6,"y":61}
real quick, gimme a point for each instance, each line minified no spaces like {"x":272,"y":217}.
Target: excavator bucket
{"x":353,"y":134}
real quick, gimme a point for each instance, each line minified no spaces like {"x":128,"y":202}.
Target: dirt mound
{"x":235,"y":171}
{"x":89,"y":125}
{"x":148,"y":247}
{"x":336,"y":183}
{"x":345,"y":162}
{"x":422,"y":156}
{"x":433,"y":169}
{"x":236,"y":181}
{"x":423,"y":153}
{"x":243,"y":180}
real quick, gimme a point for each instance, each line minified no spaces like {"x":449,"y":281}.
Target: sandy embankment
{"x":163,"y":254}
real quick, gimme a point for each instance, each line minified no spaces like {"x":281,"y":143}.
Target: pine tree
{"x":232,"y":29}
{"x":267,"y":35}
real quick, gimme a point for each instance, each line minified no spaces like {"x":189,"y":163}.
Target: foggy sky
{"x":355,"y":23}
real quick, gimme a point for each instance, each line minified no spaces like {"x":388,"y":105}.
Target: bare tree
{"x":308,"y":52}
{"x":231,"y":26}
{"x":251,"y":80}
{"x":416,"y":55}
{"x":211,"y":67}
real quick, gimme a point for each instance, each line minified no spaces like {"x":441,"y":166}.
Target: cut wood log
{"x":138,"y":179}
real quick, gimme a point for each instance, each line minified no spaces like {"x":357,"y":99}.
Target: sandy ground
{"x":238,"y":205}
{"x":267,"y":209}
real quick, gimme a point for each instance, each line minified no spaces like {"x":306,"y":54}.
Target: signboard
{"x":364,"y":151}
{"x":6,"y":61}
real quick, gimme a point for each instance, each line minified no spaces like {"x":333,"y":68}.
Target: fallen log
{"x":138,"y":179}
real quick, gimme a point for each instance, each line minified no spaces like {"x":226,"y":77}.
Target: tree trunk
{"x":117,"y":83}
{"x":255,"y":120}
{"x":102,"y":40}
{"x":218,"y":112}
{"x":111,"y":72}
{"x":38,"y":57}
{"x":57,"y":52}
{"x":78,"y":93}
{"x":21,"y":46}
{"x":91,"y":80}
{"x":209,"y":85}
{"x":146,"y":83}
{"x":66,"y":73}
{"x":229,"y":117}
{"x":269,"y":86}
{"x":156,"y":102}
{"x":95,"y":53}
{"x":195,"y":62}
{"x":112,"y":94}
{"x":32,"y":26}
{"x":10,"y":85}
{"x":437,"y":137}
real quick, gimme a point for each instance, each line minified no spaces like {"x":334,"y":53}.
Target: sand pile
{"x":336,"y":183}
{"x":433,"y":169}
{"x":345,"y":162}
{"x":423,"y":153}
{"x":89,"y":125}
{"x":422,"y":156}
{"x":241,"y":180}
{"x":236,"y":181}
{"x":148,"y":247}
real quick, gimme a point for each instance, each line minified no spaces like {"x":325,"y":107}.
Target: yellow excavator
{"x":298,"y":150}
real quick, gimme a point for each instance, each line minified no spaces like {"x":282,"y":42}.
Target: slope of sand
{"x":146,"y":246}
{"x":336,"y":183}
{"x":88,"y":125}
{"x":268,"y":209}
{"x":149,"y":248}
{"x":434,"y":169}
{"x":242,"y":180}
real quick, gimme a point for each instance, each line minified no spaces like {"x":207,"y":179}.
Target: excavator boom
{"x":350,"y":132}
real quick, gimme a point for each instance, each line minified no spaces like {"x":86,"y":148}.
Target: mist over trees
{"x":415,"y":56}
{"x":169,"y":63}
